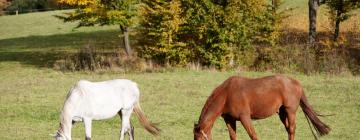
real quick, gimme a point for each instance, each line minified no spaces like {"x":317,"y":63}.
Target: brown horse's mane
{"x":211,"y":98}
{"x":208,"y":102}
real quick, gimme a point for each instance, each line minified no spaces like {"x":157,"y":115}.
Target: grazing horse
{"x":89,"y":101}
{"x":244,"y":99}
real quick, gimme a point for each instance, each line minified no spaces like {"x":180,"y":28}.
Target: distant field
{"x":40,"y":24}
{"x":32,"y":93}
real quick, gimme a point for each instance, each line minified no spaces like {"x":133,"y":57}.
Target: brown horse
{"x":244,"y":99}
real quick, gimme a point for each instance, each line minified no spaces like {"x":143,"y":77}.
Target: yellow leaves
{"x":162,"y":21}
{"x":78,"y":2}
{"x":114,"y":14}
{"x":88,"y":10}
{"x":101,"y":12}
{"x":169,"y":13}
{"x":175,"y":9}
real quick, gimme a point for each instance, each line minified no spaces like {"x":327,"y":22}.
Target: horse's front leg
{"x":231,"y":125}
{"x":87,"y":123}
{"x":246,"y":122}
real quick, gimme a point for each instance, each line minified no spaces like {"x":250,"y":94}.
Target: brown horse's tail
{"x":320,"y":127}
{"x":150,"y":127}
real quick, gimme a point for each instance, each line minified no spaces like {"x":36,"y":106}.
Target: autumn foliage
{"x":220,"y":34}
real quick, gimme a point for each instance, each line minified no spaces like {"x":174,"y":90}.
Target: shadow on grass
{"x":39,"y":59}
{"x":43,"y":51}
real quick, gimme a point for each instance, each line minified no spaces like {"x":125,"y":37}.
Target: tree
{"x":278,"y":15}
{"x":313,"y":7}
{"x":219,"y":31}
{"x":3,"y":5}
{"x":104,"y":12}
{"x":340,"y":11}
{"x":211,"y":32}
{"x":161,"y":21}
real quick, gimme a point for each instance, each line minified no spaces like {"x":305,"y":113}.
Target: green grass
{"x":40,"y":24}
{"x":32,"y":93}
{"x":39,"y":39}
{"x":31,"y":99}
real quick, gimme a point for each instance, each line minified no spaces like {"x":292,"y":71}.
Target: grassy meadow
{"x":32,"y":92}
{"x":31,"y":99}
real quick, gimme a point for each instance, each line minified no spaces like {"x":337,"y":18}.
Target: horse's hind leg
{"x":287,"y":117}
{"x":87,"y":123}
{"x":125,"y":123}
{"x":283,"y":117}
{"x":131,"y":132}
{"x":292,"y":125}
{"x":231,"y":125}
{"x":246,"y":122}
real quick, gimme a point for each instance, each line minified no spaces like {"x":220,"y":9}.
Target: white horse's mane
{"x":65,"y":112}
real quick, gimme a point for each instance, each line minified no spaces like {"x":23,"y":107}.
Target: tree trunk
{"x":125,"y":30}
{"x":313,"y":6}
{"x":339,"y":12}
{"x":273,"y":2}
{"x":337,"y":27}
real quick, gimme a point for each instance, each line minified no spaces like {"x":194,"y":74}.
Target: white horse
{"x":89,"y":101}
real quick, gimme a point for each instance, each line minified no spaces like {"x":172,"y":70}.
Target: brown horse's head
{"x":199,"y":134}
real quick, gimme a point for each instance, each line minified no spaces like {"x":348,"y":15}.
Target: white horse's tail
{"x":150,"y":127}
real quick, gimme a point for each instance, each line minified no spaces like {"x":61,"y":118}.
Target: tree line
{"x":218,"y":33}
{"x":11,"y":7}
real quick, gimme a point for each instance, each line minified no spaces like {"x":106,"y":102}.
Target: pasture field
{"x":31,"y":99}
{"x":32,"y":93}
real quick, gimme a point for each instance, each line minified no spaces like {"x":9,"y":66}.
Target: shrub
{"x":205,"y":31}
{"x":161,"y":22}
{"x":3,"y":5}
{"x":88,"y":58}
{"x":326,"y":58}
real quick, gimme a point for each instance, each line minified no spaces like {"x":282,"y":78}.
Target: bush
{"x":322,"y":58}
{"x":88,"y":58}
{"x":205,"y":31}
{"x":3,"y":5}
{"x":161,"y":22}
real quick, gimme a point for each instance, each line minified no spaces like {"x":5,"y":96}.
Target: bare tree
{"x":340,"y":10}
{"x":313,"y":7}
{"x":125,"y":30}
